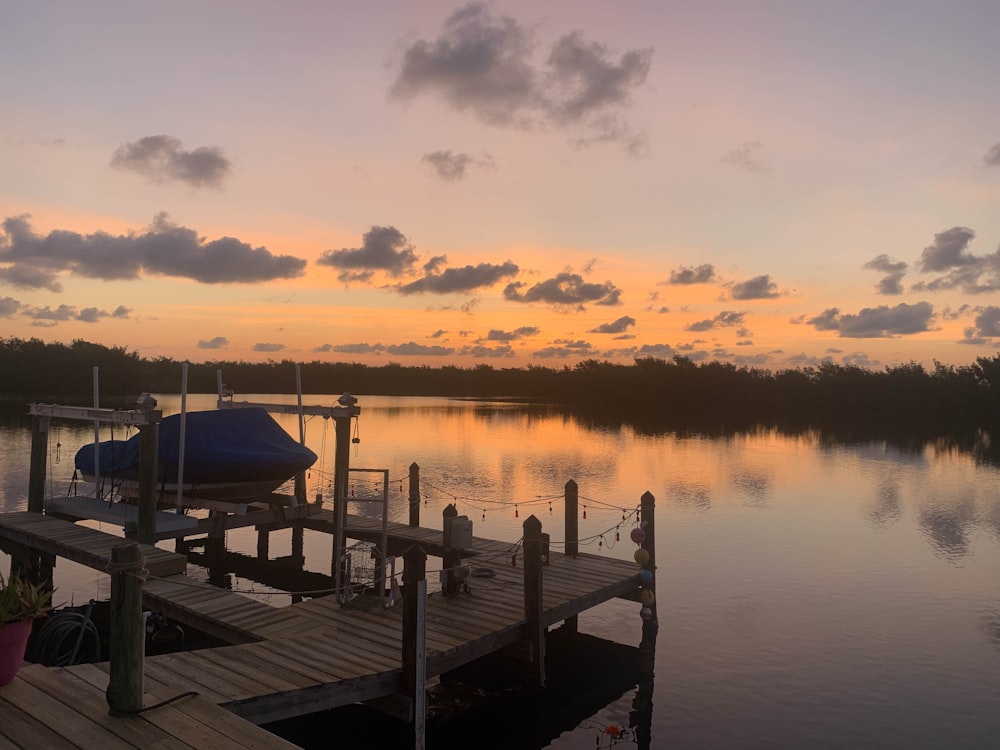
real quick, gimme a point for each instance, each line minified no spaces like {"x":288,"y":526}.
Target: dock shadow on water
{"x":489,"y":704}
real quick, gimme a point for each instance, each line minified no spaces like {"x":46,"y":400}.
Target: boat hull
{"x":228,"y":455}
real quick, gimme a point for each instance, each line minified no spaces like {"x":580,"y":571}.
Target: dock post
{"x":571,"y":502}
{"x":571,"y":495}
{"x":263,"y":540}
{"x":36,"y":565}
{"x":414,"y":494}
{"x":533,"y":597}
{"x":647,"y":505}
{"x":126,"y":634}
{"x":341,"y":477}
{"x":449,"y":560}
{"x":641,"y":715}
{"x":36,"y":472}
{"x":414,"y":647}
{"x":149,"y":437}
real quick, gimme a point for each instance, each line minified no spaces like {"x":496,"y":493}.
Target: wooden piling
{"x":263,"y":542}
{"x":534,"y":629}
{"x":571,"y":501}
{"x":647,"y":506}
{"x":341,"y":475}
{"x":126,"y":635}
{"x":414,"y":646}
{"x":149,"y":437}
{"x":414,"y":495}
{"x":39,"y":458}
{"x":571,"y":494}
{"x":35,"y":566}
{"x":450,"y":560}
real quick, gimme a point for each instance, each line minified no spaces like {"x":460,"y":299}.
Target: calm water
{"x":809,"y":595}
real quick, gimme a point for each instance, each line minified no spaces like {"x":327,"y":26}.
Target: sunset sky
{"x":769,"y":183}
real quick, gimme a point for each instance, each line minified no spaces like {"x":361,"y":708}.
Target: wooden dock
{"x":294,"y":660}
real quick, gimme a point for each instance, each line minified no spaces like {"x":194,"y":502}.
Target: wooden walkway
{"x":90,"y":547}
{"x":317,"y":654}
{"x":65,"y":709}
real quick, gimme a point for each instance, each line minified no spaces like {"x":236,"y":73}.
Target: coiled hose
{"x":69,"y":638}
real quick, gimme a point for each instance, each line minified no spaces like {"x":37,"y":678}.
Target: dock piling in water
{"x":534,"y":628}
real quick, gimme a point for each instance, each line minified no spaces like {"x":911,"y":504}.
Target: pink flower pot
{"x":13,"y":641}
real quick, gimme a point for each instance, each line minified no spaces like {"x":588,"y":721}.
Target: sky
{"x":773,"y":183}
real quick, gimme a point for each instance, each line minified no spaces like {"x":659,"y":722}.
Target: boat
{"x":229,"y":454}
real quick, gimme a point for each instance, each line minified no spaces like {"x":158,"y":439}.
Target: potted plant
{"x":21,"y":603}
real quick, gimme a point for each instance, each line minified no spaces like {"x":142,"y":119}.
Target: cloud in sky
{"x":8,"y":306}
{"x":358,"y":348}
{"x":453,"y":167}
{"x":564,"y":290}
{"x":31,"y":260}
{"x":267,"y":347}
{"x":562,"y":348}
{"x":986,"y":327}
{"x":747,"y":157}
{"x":412,"y":349}
{"x":619,"y":326}
{"x":725,"y":319}
{"x":48,"y":316}
{"x":486,"y":65}
{"x":759,"y":287}
{"x":949,"y":255}
{"x":465,"y":279}
{"x":702,"y":274}
{"x":992,"y":157}
{"x":162,"y":159}
{"x":894,"y":271}
{"x":382,"y":248}
{"x":517,"y":333}
{"x":217,"y":342}
{"x":481,"y":351}
{"x":877,"y":322}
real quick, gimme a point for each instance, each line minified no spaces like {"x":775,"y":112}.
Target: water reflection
{"x":990,"y":625}
{"x":697,"y":497}
{"x":947,"y":525}
{"x":888,"y":508}
{"x":755,"y":487}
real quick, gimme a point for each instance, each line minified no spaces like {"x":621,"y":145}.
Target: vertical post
{"x":449,"y":560}
{"x":263,"y":542}
{"x":149,"y":437}
{"x":640,"y":718}
{"x":181,"y":450}
{"x":647,"y":505}
{"x":341,"y":472}
{"x":414,"y":645}
{"x":301,"y":492}
{"x":571,"y":501}
{"x":35,"y":565}
{"x":414,"y":494}
{"x":533,"y":597}
{"x":97,"y":434}
{"x":127,"y":637}
{"x":571,"y":504}
{"x":339,"y":503}
{"x":39,"y":456}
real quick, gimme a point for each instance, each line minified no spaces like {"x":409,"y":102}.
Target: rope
{"x":135,"y":567}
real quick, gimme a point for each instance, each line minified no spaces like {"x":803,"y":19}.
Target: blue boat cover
{"x":225,"y":445}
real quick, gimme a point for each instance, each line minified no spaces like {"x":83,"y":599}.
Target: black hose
{"x":55,"y":647}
